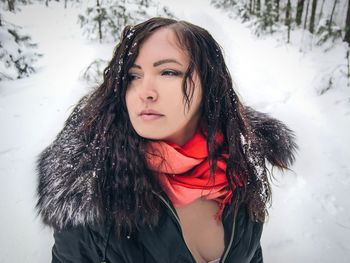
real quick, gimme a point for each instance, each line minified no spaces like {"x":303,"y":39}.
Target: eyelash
{"x":131,"y":77}
{"x":169,"y":73}
{"x":174,"y":73}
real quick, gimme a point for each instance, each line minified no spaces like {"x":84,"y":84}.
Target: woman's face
{"x":154,"y":98}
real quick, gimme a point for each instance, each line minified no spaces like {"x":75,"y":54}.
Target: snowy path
{"x":309,"y":220}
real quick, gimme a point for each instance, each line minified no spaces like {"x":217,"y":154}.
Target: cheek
{"x":129,"y":101}
{"x":196,"y":100}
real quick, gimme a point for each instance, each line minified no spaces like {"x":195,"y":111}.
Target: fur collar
{"x":67,"y":182}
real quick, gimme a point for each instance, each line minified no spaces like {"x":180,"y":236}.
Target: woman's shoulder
{"x":66,"y":178}
{"x":277,"y":141}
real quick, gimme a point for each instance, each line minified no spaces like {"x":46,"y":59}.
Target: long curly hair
{"x":119,"y":152}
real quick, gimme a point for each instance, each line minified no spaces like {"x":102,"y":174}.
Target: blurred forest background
{"x":319,"y":22}
{"x":287,"y":58}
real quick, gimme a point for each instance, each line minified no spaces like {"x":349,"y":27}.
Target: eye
{"x":171,"y":73}
{"x":132,"y":76}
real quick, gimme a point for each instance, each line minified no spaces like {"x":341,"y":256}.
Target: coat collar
{"x":68,"y":185}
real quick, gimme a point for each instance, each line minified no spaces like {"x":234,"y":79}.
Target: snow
{"x":309,"y":219}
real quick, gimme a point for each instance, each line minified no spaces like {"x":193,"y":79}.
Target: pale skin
{"x":156,"y":84}
{"x":156,"y":109}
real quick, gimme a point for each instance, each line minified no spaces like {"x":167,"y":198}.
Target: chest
{"x":203,"y":234}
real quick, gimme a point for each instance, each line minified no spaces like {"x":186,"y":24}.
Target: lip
{"x":150,"y":114}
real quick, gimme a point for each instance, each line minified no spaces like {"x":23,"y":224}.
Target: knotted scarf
{"x":184,"y":172}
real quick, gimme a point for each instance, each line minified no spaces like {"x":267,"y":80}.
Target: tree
{"x":251,"y":6}
{"x":258,"y":8}
{"x":321,"y":11}
{"x":288,"y":19}
{"x":327,"y":29}
{"x":300,"y":8}
{"x":332,"y":14}
{"x":277,"y":10}
{"x":99,"y":18}
{"x":11,"y":4}
{"x":306,"y":14}
{"x":17,"y":51}
{"x":17,"y":55}
{"x":312,"y":18}
{"x":347,"y":25}
{"x":268,"y":15}
{"x":106,"y":19}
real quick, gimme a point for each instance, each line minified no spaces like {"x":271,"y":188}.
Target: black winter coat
{"x":65,"y":193}
{"x":163,"y":244}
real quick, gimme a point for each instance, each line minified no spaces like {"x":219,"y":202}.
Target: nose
{"x":148,"y":90}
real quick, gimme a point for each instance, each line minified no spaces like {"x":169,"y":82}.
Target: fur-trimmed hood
{"x":68,"y":184}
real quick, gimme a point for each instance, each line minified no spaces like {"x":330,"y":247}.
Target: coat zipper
{"x":231,"y":238}
{"x":179,"y":225}
{"x":178,"y":221}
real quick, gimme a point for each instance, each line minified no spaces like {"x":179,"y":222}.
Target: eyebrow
{"x":160,"y":62}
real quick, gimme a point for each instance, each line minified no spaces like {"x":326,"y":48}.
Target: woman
{"x":161,"y":163}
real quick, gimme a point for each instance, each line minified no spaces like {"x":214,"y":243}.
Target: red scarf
{"x":184,"y":172}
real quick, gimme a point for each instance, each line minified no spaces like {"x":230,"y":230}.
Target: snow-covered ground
{"x":309,"y":219}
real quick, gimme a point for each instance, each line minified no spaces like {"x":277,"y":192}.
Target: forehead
{"x":162,"y":44}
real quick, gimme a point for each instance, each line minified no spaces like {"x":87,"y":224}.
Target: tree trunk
{"x":251,"y":11}
{"x":65,"y":3}
{"x":258,"y":7}
{"x":306,"y":14}
{"x":300,"y":8}
{"x":268,"y":14}
{"x":47,"y":2}
{"x":332,"y":14}
{"x":277,"y":10}
{"x":348,"y":59}
{"x":321,"y":12}
{"x":99,"y":20}
{"x":347,"y":25}
{"x":11,"y":4}
{"x":312,"y":19}
{"x":288,"y":19}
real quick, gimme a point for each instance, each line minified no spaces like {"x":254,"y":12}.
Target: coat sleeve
{"x":74,"y":245}
{"x":258,"y":256}
{"x":80,"y":245}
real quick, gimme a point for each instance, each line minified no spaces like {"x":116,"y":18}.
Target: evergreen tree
{"x":17,"y":51}
{"x":312,"y":19}
{"x":347,"y":25}
{"x":251,"y":6}
{"x":306,"y":14}
{"x":267,"y":21}
{"x":300,"y":8}
{"x":321,"y":11}
{"x":327,"y":29}
{"x":277,"y":10}
{"x":265,"y":16}
{"x":258,"y":8}
{"x":224,"y":4}
{"x":105,"y":20}
{"x":288,"y":20}
{"x":332,"y":13}
{"x":11,"y":4}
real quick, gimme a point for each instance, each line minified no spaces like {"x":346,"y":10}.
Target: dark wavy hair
{"x":119,"y":152}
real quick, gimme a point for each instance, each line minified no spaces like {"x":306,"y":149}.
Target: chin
{"x":151,"y":136}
